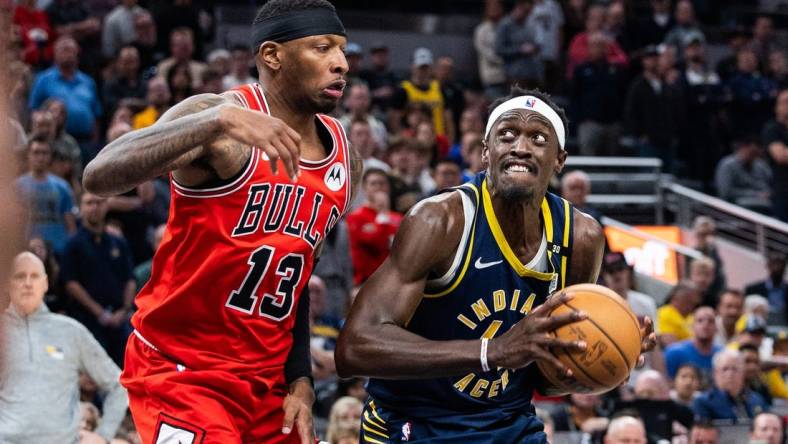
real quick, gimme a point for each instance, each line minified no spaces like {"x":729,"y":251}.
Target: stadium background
{"x":703,"y":183}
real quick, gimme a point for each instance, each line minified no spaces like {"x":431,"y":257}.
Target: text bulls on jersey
{"x":277,"y":207}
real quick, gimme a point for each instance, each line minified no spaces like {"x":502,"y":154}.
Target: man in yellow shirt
{"x":158,"y":98}
{"x":674,"y":319}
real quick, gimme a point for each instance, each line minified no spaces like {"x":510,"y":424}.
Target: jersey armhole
{"x":436,"y":286}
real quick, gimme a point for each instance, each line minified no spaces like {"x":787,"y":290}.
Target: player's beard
{"x":517,"y":194}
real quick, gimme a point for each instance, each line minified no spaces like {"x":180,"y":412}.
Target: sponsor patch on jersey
{"x":55,"y":352}
{"x":335,"y":177}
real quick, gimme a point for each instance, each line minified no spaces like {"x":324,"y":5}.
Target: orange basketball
{"x":612,"y":332}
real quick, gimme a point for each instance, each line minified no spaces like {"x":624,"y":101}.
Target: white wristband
{"x":483,"y":355}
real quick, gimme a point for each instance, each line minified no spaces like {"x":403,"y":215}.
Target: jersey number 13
{"x":275,"y":306}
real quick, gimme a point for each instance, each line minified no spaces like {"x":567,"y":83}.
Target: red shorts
{"x":173,"y":404}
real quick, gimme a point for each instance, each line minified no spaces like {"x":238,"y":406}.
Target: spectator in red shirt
{"x":578,"y":48}
{"x":36,"y":33}
{"x":372,"y":226}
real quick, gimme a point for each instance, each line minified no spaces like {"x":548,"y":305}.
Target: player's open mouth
{"x":335,"y":89}
{"x":519,"y":167}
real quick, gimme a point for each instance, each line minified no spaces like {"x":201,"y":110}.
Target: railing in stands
{"x":748,"y":228}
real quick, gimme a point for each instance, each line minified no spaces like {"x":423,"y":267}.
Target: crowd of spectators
{"x":85,"y":73}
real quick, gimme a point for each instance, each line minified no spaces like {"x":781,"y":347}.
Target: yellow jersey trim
{"x":371,"y":430}
{"x":567,"y":219}
{"x":467,"y":262}
{"x":503,"y":244}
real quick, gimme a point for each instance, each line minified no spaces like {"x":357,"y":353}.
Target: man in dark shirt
{"x":98,"y":273}
{"x":729,"y":399}
{"x":381,"y":80}
{"x":775,"y":139}
{"x":125,"y":80}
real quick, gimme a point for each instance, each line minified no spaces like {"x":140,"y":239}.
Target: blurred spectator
{"x":617,"y":275}
{"x":358,"y":104}
{"x":324,"y":332}
{"x":361,"y":138}
{"x":125,"y":80}
{"x":704,"y":230}
{"x":403,"y":156}
{"x":64,"y":147}
{"x":211,"y":82}
{"x":64,"y":144}
{"x":547,"y":420}
{"x":744,"y":179}
{"x":517,"y":44}
{"x":656,"y":25}
{"x":674,"y":319}
{"x":775,"y":138}
{"x":344,"y":434}
{"x":336,"y":269}
{"x":686,"y":29}
{"x":579,"y":47}
{"x":473,"y":158}
{"x":704,"y":100}
{"x":44,"y":353}
{"x":158,"y":97}
{"x":97,"y":269}
{"x":774,"y":288}
{"x":686,"y":384}
{"x":36,"y":33}
{"x":661,"y":415}
{"x":653,"y":113}
{"x":582,"y":414}
{"x":626,"y":430}
{"x":447,"y":174}
{"x":763,"y":38}
{"x":667,"y":64}
{"x":548,"y":19}
{"x":702,"y":273}
{"x":752,"y":95}
{"x":778,"y":68}
{"x":181,"y":54}
{"x":54,"y":296}
{"x":73,"y":18}
{"x":170,"y":16}
{"x":620,"y":28}
{"x":146,"y":40}
{"x":574,"y":19}
{"x":49,"y":198}
{"x":753,"y":333}
{"x":768,"y":384}
{"x":179,"y":81}
{"x":699,"y":349}
{"x":143,"y":270}
{"x":372,"y":226}
{"x":729,"y":399}
{"x":219,"y":61}
{"x":240,"y":63}
{"x":436,"y":147}
{"x":452,"y":92}
{"x":738,"y":38}
{"x":597,"y":81}
{"x":73,"y":87}
{"x":704,"y":433}
{"x":422,"y":89}
{"x":767,"y":428}
{"x":89,"y":415}
{"x":470,"y":128}
{"x":729,"y":310}
{"x":345,"y":413}
{"x":354,"y":54}
{"x":381,"y":80}
{"x":118,"y":30}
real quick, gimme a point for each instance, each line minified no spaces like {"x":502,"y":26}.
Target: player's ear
{"x":560,"y":161}
{"x":270,"y":54}
{"x":485,"y":154}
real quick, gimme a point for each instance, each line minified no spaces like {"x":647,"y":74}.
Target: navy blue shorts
{"x":381,"y":426}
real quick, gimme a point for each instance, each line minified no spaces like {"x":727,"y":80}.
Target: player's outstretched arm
{"x":374,"y":341}
{"x":200,"y":138}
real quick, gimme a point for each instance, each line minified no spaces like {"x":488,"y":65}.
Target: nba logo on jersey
{"x":530,"y":103}
{"x":335,"y":176}
{"x":406,"y":431}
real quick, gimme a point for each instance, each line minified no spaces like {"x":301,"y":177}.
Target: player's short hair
{"x":517,"y":91}
{"x":273,"y":8}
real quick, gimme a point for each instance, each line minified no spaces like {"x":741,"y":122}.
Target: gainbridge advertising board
{"x":648,"y":256}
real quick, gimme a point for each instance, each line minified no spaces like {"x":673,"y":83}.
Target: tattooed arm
{"x":200,"y":138}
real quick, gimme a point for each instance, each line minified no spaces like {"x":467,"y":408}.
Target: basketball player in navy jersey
{"x":449,"y":324}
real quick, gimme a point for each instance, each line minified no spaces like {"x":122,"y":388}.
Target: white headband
{"x":534,"y":104}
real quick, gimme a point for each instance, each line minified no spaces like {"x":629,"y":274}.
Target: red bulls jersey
{"x":227,"y":276}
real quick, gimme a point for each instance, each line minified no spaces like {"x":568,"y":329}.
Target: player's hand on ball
{"x":530,"y":339}
{"x":648,"y":341}
{"x":298,"y":411}
{"x":270,"y":134}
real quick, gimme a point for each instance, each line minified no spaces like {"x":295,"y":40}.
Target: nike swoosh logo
{"x":481,"y":265}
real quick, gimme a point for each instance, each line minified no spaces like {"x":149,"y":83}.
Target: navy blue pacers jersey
{"x":486,"y":291}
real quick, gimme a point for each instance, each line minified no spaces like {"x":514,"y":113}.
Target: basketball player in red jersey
{"x":220,"y":351}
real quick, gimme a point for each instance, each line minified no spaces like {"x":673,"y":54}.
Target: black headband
{"x":295,"y":25}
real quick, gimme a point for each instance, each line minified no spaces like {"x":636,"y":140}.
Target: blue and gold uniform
{"x":485,"y":292}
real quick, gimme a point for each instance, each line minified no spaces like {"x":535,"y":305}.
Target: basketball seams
{"x":615,"y":344}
